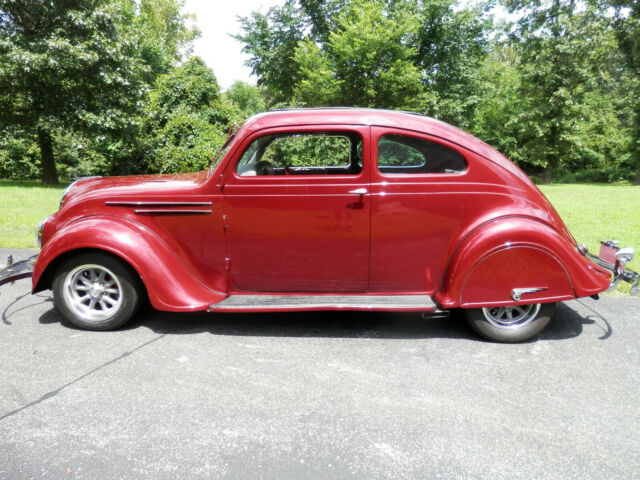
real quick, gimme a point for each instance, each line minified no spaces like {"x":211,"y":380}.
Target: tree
{"x":627,"y":25}
{"x":562,"y":52}
{"x":366,"y":61}
{"x":186,"y":120}
{"x":496,"y":120}
{"x":248,"y":99}
{"x":165,"y":37}
{"x":84,"y":68}
{"x":507,"y":119}
{"x":67,"y":64}
{"x":388,"y":53}
{"x":271,"y":41}
{"x":452,"y":45}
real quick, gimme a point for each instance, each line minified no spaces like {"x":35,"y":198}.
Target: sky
{"x":216,"y":20}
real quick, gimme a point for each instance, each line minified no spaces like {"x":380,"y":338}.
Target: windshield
{"x":224,"y":149}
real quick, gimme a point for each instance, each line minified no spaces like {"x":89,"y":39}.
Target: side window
{"x":404,"y":154}
{"x":303,"y":154}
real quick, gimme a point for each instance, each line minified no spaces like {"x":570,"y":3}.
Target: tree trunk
{"x":636,"y":142}
{"x":547,"y":174}
{"x":49,"y":173}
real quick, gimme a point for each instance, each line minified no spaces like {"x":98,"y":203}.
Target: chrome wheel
{"x":511,"y":317}
{"x":92,"y":292}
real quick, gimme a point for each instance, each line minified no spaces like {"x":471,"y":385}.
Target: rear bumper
{"x":613,"y":259}
{"x":17,"y":270}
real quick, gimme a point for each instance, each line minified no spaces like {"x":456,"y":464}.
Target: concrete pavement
{"x":316,"y":395}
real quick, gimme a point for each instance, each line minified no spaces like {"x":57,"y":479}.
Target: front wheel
{"x":510,"y":324}
{"x":96,"y":291}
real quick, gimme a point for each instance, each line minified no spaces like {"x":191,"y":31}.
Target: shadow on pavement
{"x":569,"y":323}
{"x":566,"y":323}
{"x":390,"y":325}
{"x":15,"y":305}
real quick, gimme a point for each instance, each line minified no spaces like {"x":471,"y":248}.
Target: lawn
{"x":592,"y":212}
{"x":597,"y":212}
{"x":22,"y":206}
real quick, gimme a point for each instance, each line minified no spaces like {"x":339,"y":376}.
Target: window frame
{"x":379,"y":132}
{"x":349,"y":178}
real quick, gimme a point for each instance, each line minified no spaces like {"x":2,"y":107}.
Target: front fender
{"x":169,"y":283}
{"x":517,"y":252}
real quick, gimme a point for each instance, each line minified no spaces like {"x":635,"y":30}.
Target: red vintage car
{"x":323,"y":209}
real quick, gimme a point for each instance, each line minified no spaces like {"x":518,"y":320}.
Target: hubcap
{"x":93,"y":292}
{"x":511,"y":317}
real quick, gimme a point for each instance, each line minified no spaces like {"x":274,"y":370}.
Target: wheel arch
{"x":45,"y":281}
{"x":169,"y":284}
{"x":517,"y":244}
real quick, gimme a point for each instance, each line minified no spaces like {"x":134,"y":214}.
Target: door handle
{"x":358,"y":191}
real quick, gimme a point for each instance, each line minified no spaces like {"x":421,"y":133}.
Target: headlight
{"x":64,"y":193}
{"x":66,"y":190}
{"x":39,"y":229}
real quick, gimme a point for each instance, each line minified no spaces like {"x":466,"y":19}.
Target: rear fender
{"x":515,"y":253}
{"x":169,"y":283}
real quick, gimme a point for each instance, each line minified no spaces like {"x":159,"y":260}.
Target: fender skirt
{"x":517,"y":261}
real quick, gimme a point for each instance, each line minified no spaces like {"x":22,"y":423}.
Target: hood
{"x":90,"y":187}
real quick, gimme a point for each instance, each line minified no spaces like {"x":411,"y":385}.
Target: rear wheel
{"x":510,"y":324}
{"x":97,"y":291}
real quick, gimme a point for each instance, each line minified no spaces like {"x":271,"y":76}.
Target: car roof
{"x":378,"y":117}
{"x":366,"y":116}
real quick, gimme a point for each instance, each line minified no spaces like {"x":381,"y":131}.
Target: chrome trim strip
{"x":277,"y":302}
{"x":517,"y":293}
{"x":116,"y":203}
{"x":154,"y":211}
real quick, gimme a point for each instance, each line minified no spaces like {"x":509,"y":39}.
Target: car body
{"x":331,"y":209}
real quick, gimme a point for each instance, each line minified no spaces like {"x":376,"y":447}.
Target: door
{"x":297,"y":210}
{"x":422,"y":200}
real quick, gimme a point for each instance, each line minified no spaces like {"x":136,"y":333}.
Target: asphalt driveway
{"x":316,"y":395}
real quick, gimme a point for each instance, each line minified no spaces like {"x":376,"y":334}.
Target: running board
{"x":274,"y":303}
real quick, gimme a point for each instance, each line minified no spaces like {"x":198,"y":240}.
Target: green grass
{"x":592,"y":212}
{"x":595,"y":212}
{"x":22,"y":206}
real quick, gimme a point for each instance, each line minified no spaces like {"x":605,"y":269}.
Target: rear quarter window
{"x":402,"y":154}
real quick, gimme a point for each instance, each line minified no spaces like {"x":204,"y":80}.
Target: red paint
{"x":465,"y":238}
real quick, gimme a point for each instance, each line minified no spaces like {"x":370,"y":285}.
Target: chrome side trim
{"x":158,"y":211}
{"x":116,"y":203}
{"x":517,"y":293}
{"x":356,"y":302}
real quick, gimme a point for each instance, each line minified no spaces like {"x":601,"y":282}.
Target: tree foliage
{"x":365,"y":61}
{"x":165,"y":38}
{"x":83,"y":67}
{"x":562,"y":53}
{"x":185,"y":121}
{"x":548,"y":94}
{"x":627,"y":28}
{"x":109,"y":87}
{"x":246,"y":99}
{"x":391,"y":54}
